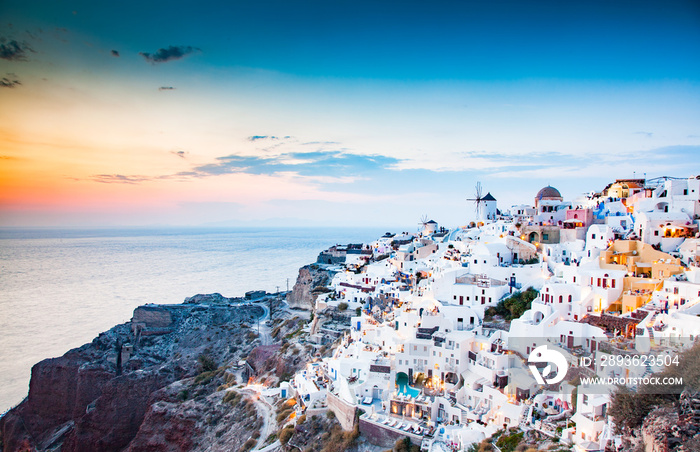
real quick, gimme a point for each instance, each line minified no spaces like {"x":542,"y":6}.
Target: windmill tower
{"x":485,"y":206}
{"x":427,"y":227}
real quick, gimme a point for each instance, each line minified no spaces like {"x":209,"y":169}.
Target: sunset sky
{"x":336,"y":112}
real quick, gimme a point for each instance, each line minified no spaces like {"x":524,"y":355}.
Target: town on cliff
{"x":565,"y":325}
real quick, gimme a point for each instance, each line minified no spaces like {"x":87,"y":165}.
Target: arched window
{"x":561,"y":299}
{"x":570,"y":298}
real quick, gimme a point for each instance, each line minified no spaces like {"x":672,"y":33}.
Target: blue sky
{"x":133,"y":114}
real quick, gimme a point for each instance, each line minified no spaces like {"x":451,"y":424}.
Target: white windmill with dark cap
{"x":485,"y":206}
{"x":427,"y":227}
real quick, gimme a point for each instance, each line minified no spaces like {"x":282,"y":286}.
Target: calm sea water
{"x":60,"y":288}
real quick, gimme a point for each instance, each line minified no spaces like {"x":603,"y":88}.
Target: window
{"x":656,"y":233}
{"x":561,"y":299}
{"x":612,"y":282}
{"x":545,"y":236}
{"x":593,"y":236}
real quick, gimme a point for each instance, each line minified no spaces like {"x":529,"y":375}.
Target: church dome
{"x":548,"y":192}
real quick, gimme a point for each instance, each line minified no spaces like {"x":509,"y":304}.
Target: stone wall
{"x":328,"y":258}
{"x":383,"y":436}
{"x":152,"y":316}
{"x":344,"y":412}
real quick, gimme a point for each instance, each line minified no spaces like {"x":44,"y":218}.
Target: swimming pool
{"x":403,"y":387}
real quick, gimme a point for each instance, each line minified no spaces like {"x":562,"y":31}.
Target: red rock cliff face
{"x":59,"y":391}
{"x":88,"y":400}
{"x":117,"y":413}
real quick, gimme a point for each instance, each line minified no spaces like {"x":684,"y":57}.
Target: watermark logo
{"x":542,"y":354}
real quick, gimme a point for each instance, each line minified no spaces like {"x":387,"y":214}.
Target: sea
{"x":59,"y":288}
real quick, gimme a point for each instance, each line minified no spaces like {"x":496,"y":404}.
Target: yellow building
{"x":646,"y":269}
{"x":624,"y":188}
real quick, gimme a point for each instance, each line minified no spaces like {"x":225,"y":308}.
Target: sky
{"x":342,"y":113}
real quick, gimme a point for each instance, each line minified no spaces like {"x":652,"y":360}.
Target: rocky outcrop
{"x":89,"y":399}
{"x":200,"y":423}
{"x":674,"y":429}
{"x":210,"y":298}
{"x":311,"y":278}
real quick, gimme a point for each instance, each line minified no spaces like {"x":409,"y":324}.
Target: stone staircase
{"x":525,"y":417}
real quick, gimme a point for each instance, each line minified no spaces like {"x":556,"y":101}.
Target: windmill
{"x":423,"y":224}
{"x":478,"y":201}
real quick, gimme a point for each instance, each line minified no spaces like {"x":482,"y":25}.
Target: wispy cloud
{"x":478,"y":161}
{"x":9,"y":81}
{"x":315,"y":163}
{"x":115,"y":53}
{"x":302,"y":162}
{"x":120,"y":179}
{"x":263,"y":137}
{"x":646,"y":134}
{"x":139,"y":178}
{"x":166,"y":88}
{"x":12,"y":50}
{"x":674,"y":160}
{"x":169,"y":54}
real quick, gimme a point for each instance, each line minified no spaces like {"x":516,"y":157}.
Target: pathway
{"x":269,"y":422}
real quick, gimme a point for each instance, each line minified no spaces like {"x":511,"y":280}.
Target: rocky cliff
{"x":118,"y":392}
{"x":311,"y":280}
